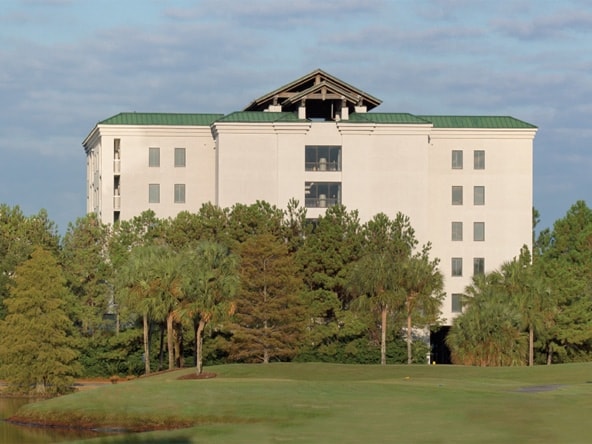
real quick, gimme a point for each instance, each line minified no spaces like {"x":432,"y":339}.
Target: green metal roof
{"x":179,"y":119}
{"x":499,"y":122}
{"x":176,"y":119}
{"x":260,"y":117}
{"x":393,"y":118}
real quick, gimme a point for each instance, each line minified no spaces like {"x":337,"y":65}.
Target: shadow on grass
{"x":139,"y":439}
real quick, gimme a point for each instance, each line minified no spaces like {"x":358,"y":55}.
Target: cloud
{"x":556,"y":24}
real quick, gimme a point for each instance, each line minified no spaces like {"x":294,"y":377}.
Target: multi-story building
{"x":464,"y":181}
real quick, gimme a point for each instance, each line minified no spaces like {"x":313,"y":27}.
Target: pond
{"x":17,"y":434}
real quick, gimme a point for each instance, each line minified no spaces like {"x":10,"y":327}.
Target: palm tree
{"x":151,"y":279}
{"x":210,"y":284}
{"x":138,"y":279}
{"x":374,"y":278}
{"x":423,"y":284}
{"x":526,"y":290}
{"x":169,"y":293}
{"x":488,"y":332}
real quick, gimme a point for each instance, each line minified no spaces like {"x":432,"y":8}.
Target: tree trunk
{"x":146,"y":346}
{"x":161,"y":348}
{"x":170,"y":347}
{"x":383,"y":316}
{"x":265,"y":349}
{"x":530,"y":346}
{"x":178,"y":348}
{"x":409,"y":340}
{"x":199,"y":342}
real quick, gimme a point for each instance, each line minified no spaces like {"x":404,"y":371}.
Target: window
{"x":478,"y":231}
{"x":116,"y":149}
{"x":479,"y":159}
{"x":456,"y":302}
{"x":154,"y":193}
{"x":457,"y":266}
{"x":479,"y":195}
{"x":457,"y":231}
{"x":457,"y":195}
{"x":457,"y":159}
{"x":179,"y":157}
{"x":322,"y":158}
{"x":179,"y":193}
{"x":153,"y":157}
{"x":478,"y":265}
{"x":322,"y":194}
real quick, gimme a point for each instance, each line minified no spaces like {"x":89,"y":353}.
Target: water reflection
{"x":17,"y":434}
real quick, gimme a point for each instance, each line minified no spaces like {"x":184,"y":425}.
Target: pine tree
{"x":37,"y":351}
{"x":269,"y":316}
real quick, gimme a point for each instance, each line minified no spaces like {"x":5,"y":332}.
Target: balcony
{"x":322,"y":194}
{"x":320,"y":202}
{"x":116,"y":166}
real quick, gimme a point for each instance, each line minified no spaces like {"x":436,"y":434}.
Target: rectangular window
{"x":479,"y":231}
{"x":478,"y":265}
{"x":322,"y":158}
{"x":179,"y":193}
{"x":456,"y":302}
{"x":457,"y":266}
{"x":154,"y":193}
{"x":322,"y":194}
{"x":457,"y":231}
{"x":479,"y":159}
{"x":457,"y":195}
{"x":179,"y":157}
{"x":116,"y":149}
{"x":153,"y":157}
{"x":457,"y":159}
{"x":479,"y":195}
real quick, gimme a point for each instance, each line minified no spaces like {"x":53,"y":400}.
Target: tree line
{"x":251,"y":283}
{"x":255,"y":283}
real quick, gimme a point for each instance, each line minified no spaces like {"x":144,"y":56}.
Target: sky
{"x":67,"y":64}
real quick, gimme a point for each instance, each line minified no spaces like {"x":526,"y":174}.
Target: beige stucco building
{"x":465,"y":181}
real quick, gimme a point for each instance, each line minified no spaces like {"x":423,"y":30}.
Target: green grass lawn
{"x":324,"y":403}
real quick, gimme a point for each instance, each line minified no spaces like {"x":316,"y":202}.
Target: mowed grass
{"x":328,"y":403}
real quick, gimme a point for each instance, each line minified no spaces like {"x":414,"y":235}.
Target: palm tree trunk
{"x":199,"y":343}
{"x":161,"y":347}
{"x":170,"y":347}
{"x":383,"y":316}
{"x":530,"y":346}
{"x":146,"y":346}
{"x":409,"y":340}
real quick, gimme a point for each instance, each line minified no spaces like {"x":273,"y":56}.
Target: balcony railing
{"x":116,"y":202}
{"x":116,"y":166}
{"x":320,"y":202}
{"x":322,"y":165}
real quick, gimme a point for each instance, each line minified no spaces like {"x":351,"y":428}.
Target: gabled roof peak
{"x":323,"y":96}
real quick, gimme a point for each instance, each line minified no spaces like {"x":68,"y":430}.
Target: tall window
{"x":457,"y":195}
{"x":457,"y":231}
{"x":479,"y":159}
{"x":478,"y":231}
{"x":478,"y":265}
{"x":478,"y":195}
{"x":154,"y":193}
{"x":322,"y":158}
{"x":153,"y":157}
{"x":179,"y":193}
{"x":180,"y":157}
{"x":456,"y":303}
{"x":457,"y":159}
{"x":322,"y":194}
{"x":456,"y":266}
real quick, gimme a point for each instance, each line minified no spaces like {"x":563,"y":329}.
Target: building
{"x":465,"y":181}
